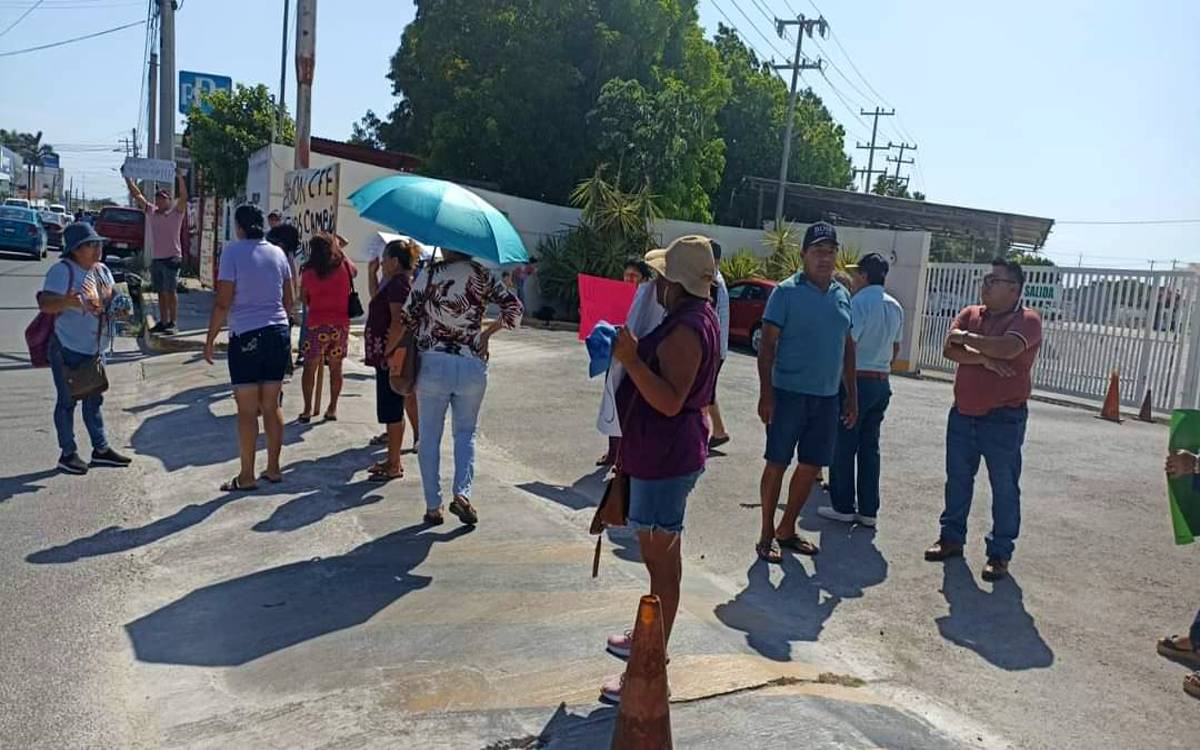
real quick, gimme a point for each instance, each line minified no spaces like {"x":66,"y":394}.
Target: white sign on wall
{"x":310,"y":202}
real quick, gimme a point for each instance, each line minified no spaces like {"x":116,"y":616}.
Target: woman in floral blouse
{"x":445,"y":310}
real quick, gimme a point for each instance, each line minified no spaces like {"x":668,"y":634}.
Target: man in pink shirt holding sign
{"x":164,"y":220}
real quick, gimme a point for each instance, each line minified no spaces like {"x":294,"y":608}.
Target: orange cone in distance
{"x":644,"y":716}
{"x":1145,"y":414}
{"x":1111,"y":410}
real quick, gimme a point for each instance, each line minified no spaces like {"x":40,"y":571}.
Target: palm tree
{"x":34,"y":153}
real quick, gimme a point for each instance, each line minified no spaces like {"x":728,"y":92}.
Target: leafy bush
{"x":741,"y":265}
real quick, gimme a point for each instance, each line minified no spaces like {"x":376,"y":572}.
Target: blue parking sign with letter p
{"x":193,"y":86}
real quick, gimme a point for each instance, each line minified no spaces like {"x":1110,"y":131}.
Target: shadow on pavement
{"x":326,"y":487}
{"x":118,"y":539}
{"x":993,"y":624}
{"x":191,"y":435}
{"x":23,"y":484}
{"x":772,"y":617}
{"x":239,"y":620}
{"x":568,"y":730}
{"x":849,"y":562}
{"x":585,"y":492}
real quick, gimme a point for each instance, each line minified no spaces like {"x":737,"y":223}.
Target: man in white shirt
{"x":878,"y":321}
{"x":720,"y":298}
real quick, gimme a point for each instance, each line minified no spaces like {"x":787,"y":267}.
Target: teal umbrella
{"x":436,"y":212}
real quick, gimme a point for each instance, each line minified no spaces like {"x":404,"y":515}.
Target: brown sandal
{"x":1191,"y":684}
{"x":1169,"y":648}
{"x":434,"y":517}
{"x":768,"y":551}
{"x":798,"y":544}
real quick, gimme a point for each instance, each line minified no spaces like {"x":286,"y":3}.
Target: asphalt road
{"x":62,"y":660}
{"x":143,"y":609}
{"x":1061,"y":655}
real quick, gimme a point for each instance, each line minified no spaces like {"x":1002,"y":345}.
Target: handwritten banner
{"x":310,"y":202}
{"x":155,"y":170}
{"x":603,"y":299}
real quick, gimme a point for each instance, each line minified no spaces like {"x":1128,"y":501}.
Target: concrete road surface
{"x":144,"y":608}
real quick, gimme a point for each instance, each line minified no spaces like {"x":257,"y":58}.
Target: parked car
{"x":19,"y":202}
{"x":123,"y":229}
{"x":58,"y":208}
{"x":747,"y":302}
{"x":21,"y":231}
{"x":54,"y":225}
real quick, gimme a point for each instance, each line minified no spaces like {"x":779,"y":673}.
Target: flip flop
{"x":304,"y":419}
{"x":796,"y":544}
{"x":330,"y":417}
{"x":384,"y":476}
{"x":234,"y":486}
{"x":379,"y":440}
{"x":434,"y":518}
{"x":768,"y":551}
{"x":718,"y":442}
{"x":1166,"y":647}
{"x":271,"y":479}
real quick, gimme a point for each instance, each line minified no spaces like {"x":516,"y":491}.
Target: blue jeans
{"x":660,"y":504}
{"x":64,"y":406}
{"x":457,"y":383}
{"x":860,"y":442}
{"x":997,"y":437}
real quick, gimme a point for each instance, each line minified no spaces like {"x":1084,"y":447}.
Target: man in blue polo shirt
{"x":878,"y":325}
{"x":805,"y":354}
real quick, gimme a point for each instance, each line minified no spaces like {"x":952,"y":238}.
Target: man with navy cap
{"x":805,"y":355}
{"x":878,"y":324}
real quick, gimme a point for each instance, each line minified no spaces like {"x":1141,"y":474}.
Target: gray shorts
{"x":164,"y":274}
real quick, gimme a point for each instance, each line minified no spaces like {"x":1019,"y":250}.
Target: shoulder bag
{"x":613,"y":510}
{"x":88,"y":378}
{"x":41,"y":328}
{"x":353,"y":303}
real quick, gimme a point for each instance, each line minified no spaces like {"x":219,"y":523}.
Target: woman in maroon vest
{"x":671,"y":375}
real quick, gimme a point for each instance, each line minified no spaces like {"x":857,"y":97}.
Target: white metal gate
{"x":1141,"y":324}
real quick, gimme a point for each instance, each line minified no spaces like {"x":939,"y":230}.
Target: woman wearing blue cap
{"x":79,"y":292}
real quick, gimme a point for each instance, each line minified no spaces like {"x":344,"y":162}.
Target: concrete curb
{"x":172,"y":344}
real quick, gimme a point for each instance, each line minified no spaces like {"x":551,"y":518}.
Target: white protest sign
{"x":310,"y":202}
{"x":155,"y":170}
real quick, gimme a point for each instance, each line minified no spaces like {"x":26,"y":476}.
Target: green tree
{"x":221,"y":142}
{"x":896,"y":188}
{"x":752,"y":123}
{"x":32,"y":151}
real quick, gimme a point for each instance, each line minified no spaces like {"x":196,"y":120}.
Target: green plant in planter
{"x":785,"y":258}
{"x":741,"y":265}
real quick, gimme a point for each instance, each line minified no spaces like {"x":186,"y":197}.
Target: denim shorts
{"x":659,"y":504}
{"x":803,"y":425}
{"x":259,"y":357}
{"x":164,"y":274}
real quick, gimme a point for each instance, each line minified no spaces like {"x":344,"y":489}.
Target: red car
{"x":124,"y":228}
{"x":747,"y":301}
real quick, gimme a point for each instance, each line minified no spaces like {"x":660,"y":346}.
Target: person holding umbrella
{"x":445,"y":313}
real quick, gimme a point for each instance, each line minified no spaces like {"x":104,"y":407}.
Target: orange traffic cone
{"x":1111,"y":410}
{"x":1144,"y":415}
{"x":644,"y":718}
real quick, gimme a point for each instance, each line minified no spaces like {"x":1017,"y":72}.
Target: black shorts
{"x":389,"y":405}
{"x":720,"y":364}
{"x":259,"y":357}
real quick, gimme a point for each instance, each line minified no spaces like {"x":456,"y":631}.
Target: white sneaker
{"x":620,"y":644}
{"x":868,"y":521}
{"x":827,"y":511}
{"x":610,"y":689}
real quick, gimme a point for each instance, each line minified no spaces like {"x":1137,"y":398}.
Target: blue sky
{"x":1068,"y":109}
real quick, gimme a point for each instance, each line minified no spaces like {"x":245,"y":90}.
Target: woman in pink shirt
{"x":325,"y":286}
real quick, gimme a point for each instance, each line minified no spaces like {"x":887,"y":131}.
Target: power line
{"x":758,"y":31}
{"x":746,"y":41}
{"x":70,"y":41}
{"x":842,"y":99}
{"x":21,"y":18}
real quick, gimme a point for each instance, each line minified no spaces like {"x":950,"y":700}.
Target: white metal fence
{"x":1095,"y":321}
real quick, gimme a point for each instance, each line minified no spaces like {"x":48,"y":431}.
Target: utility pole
{"x":282,"y":71}
{"x":306,"y":63}
{"x":899,"y":160}
{"x":151,"y":121}
{"x":799,"y":63}
{"x":166,"y":80}
{"x":133,"y":132}
{"x":870,"y":170}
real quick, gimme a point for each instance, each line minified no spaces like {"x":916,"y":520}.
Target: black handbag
{"x":353,"y":303}
{"x":88,"y":379}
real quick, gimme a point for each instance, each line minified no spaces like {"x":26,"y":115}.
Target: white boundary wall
{"x":908,"y":252}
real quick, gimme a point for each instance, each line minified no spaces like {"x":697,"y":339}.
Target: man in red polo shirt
{"x":995,"y":345}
